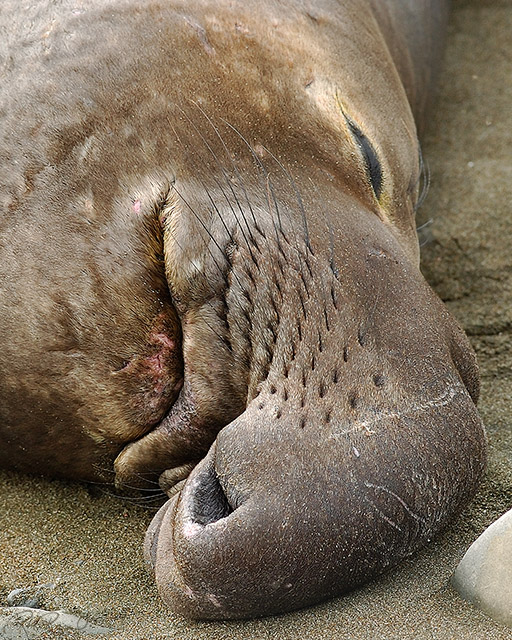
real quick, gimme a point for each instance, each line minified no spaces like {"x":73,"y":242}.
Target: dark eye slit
{"x":373,"y":165}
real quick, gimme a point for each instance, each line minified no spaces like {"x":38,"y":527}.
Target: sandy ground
{"x":88,"y":544}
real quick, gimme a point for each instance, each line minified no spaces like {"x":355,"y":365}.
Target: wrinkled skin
{"x":209,"y":266}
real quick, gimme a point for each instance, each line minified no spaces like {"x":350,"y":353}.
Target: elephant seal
{"x":209,"y":271}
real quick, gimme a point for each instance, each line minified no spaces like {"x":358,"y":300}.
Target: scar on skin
{"x":382,"y":515}
{"x":369,"y":485}
{"x":214,"y":600}
{"x":366,"y":424}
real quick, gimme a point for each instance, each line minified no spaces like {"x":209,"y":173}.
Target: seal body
{"x":209,"y":262}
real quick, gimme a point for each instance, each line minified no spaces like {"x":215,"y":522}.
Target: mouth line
{"x":172,"y":480}
{"x":167,"y":452}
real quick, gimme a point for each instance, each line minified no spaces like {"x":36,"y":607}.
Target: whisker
{"x":152,"y":490}
{"x":263,"y":170}
{"x":229,"y":155}
{"x":278,"y":230}
{"x":332,"y":260}
{"x":423,"y":237}
{"x":300,"y":202}
{"x":223,"y":252}
{"x":138,"y":503}
{"x":425,"y":224}
{"x":210,"y":234}
{"x":425,"y":177}
{"x":228,"y":182}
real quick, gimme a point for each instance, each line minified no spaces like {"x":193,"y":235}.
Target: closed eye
{"x":373,"y":166}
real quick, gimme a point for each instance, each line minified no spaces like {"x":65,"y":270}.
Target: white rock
{"x":484,"y":575}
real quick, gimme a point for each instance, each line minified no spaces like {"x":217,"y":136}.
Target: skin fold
{"x":209,"y":271}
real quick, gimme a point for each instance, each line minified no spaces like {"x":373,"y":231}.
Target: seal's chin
{"x":202,"y":499}
{"x":151,"y":540}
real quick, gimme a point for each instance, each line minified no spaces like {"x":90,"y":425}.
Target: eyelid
{"x":373,"y":165}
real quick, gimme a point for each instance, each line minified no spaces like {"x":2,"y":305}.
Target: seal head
{"x":209,"y":262}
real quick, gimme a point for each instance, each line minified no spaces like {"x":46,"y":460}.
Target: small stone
{"x":484,"y":575}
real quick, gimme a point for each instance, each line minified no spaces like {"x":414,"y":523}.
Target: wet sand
{"x":88,"y":545}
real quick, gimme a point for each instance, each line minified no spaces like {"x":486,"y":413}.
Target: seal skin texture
{"x":209,"y":271}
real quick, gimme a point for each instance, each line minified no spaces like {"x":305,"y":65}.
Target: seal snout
{"x":338,"y":468}
{"x":251,"y":534}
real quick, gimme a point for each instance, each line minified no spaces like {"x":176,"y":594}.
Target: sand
{"x":87,"y":545}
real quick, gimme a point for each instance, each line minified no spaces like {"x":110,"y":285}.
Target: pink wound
{"x":164,"y":340}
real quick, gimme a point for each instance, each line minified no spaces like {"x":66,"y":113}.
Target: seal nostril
{"x":209,"y":502}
